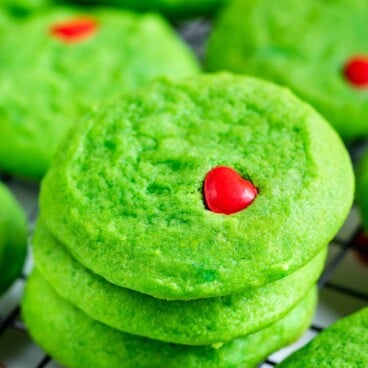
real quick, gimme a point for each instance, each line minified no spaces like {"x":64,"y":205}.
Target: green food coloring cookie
{"x":71,"y":62}
{"x":21,"y":8}
{"x":197,"y":322}
{"x":13,"y":239}
{"x":70,"y":337}
{"x":343,"y":345}
{"x":302,"y":49}
{"x":125,"y":192}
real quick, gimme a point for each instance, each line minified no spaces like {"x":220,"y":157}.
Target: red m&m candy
{"x":74,"y":30}
{"x":356,"y":71}
{"x":225,"y":191}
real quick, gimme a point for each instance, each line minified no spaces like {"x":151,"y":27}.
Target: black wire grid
{"x":343,"y":286}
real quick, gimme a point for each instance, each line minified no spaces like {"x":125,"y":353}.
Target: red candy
{"x":225,"y":191}
{"x":74,"y":30}
{"x":356,"y":71}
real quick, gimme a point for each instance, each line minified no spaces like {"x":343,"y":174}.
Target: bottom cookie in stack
{"x":76,"y":340}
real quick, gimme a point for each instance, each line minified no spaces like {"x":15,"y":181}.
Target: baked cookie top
{"x":125,"y":193}
{"x":304,"y":51}
{"x":68,"y":61}
{"x":13,"y":239}
{"x":343,"y":345}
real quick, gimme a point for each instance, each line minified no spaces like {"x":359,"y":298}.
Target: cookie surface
{"x":48,"y":83}
{"x":50,"y":320}
{"x":140,"y":221}
{"x":343,"y":345}
{"x":302,"y":51}
{"x":13,"y":239}
{"x":198,"y":322}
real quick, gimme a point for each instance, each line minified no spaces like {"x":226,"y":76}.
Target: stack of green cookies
{"x":185,"y":225}
{"x":67,"y":61}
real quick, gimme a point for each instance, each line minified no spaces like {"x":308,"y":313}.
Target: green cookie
{"x":300,"y":48}
{"x":173,"y":8}
{"x":197,"y":322}
{"x":124,"y":194}
{"x":343,"y":345}
{"x":13,"y":239}
{"x":21,"y":8}
{"x":70,"y":62}
{"x":362,"y":189}
{"x":77,"y":341}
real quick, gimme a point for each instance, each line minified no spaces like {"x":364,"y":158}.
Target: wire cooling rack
{"x":343,"y":287}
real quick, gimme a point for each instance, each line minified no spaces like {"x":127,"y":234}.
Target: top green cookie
{"x":174,"y":8}
{"x":67,"y":61}
{"x":13,"y":239}
{"x":124,"y":194}
{"x":306,"y":47}
{"x":343,"y":345}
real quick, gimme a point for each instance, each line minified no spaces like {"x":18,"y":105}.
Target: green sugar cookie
{"x":197,"y":322}
{"x":302,"y":49}
{"x":21,"y":8}
{"x":343,"y":345}
{"x":173,"y":8}
{"x":70,"y":337}
{"x":70,"y":62}
{"x":125,"y":192}
{"x":362,"y":189}
{"x":13,"y":239}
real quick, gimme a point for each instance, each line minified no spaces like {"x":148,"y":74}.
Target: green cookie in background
{"x":172,"y":8}
{"x":343,"y":345}
{"x":75,"y":340}
{"x":68,"y":61}
{"x":305,"y":45}
{"x":13,"y":239}
{"x":21,"y":8}
{"x":124,"y":193}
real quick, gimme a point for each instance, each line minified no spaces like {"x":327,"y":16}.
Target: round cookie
{"x":343,"y":345}
{"x":125,"y":195}
{"x":197,"y":322}
{"x":301,"y":49}
{"x":362,"y":189}
{"x":13,"y":239}
{"x":69,"y":336}
{"x":173,"y":8}
{"x":71,"y":62}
